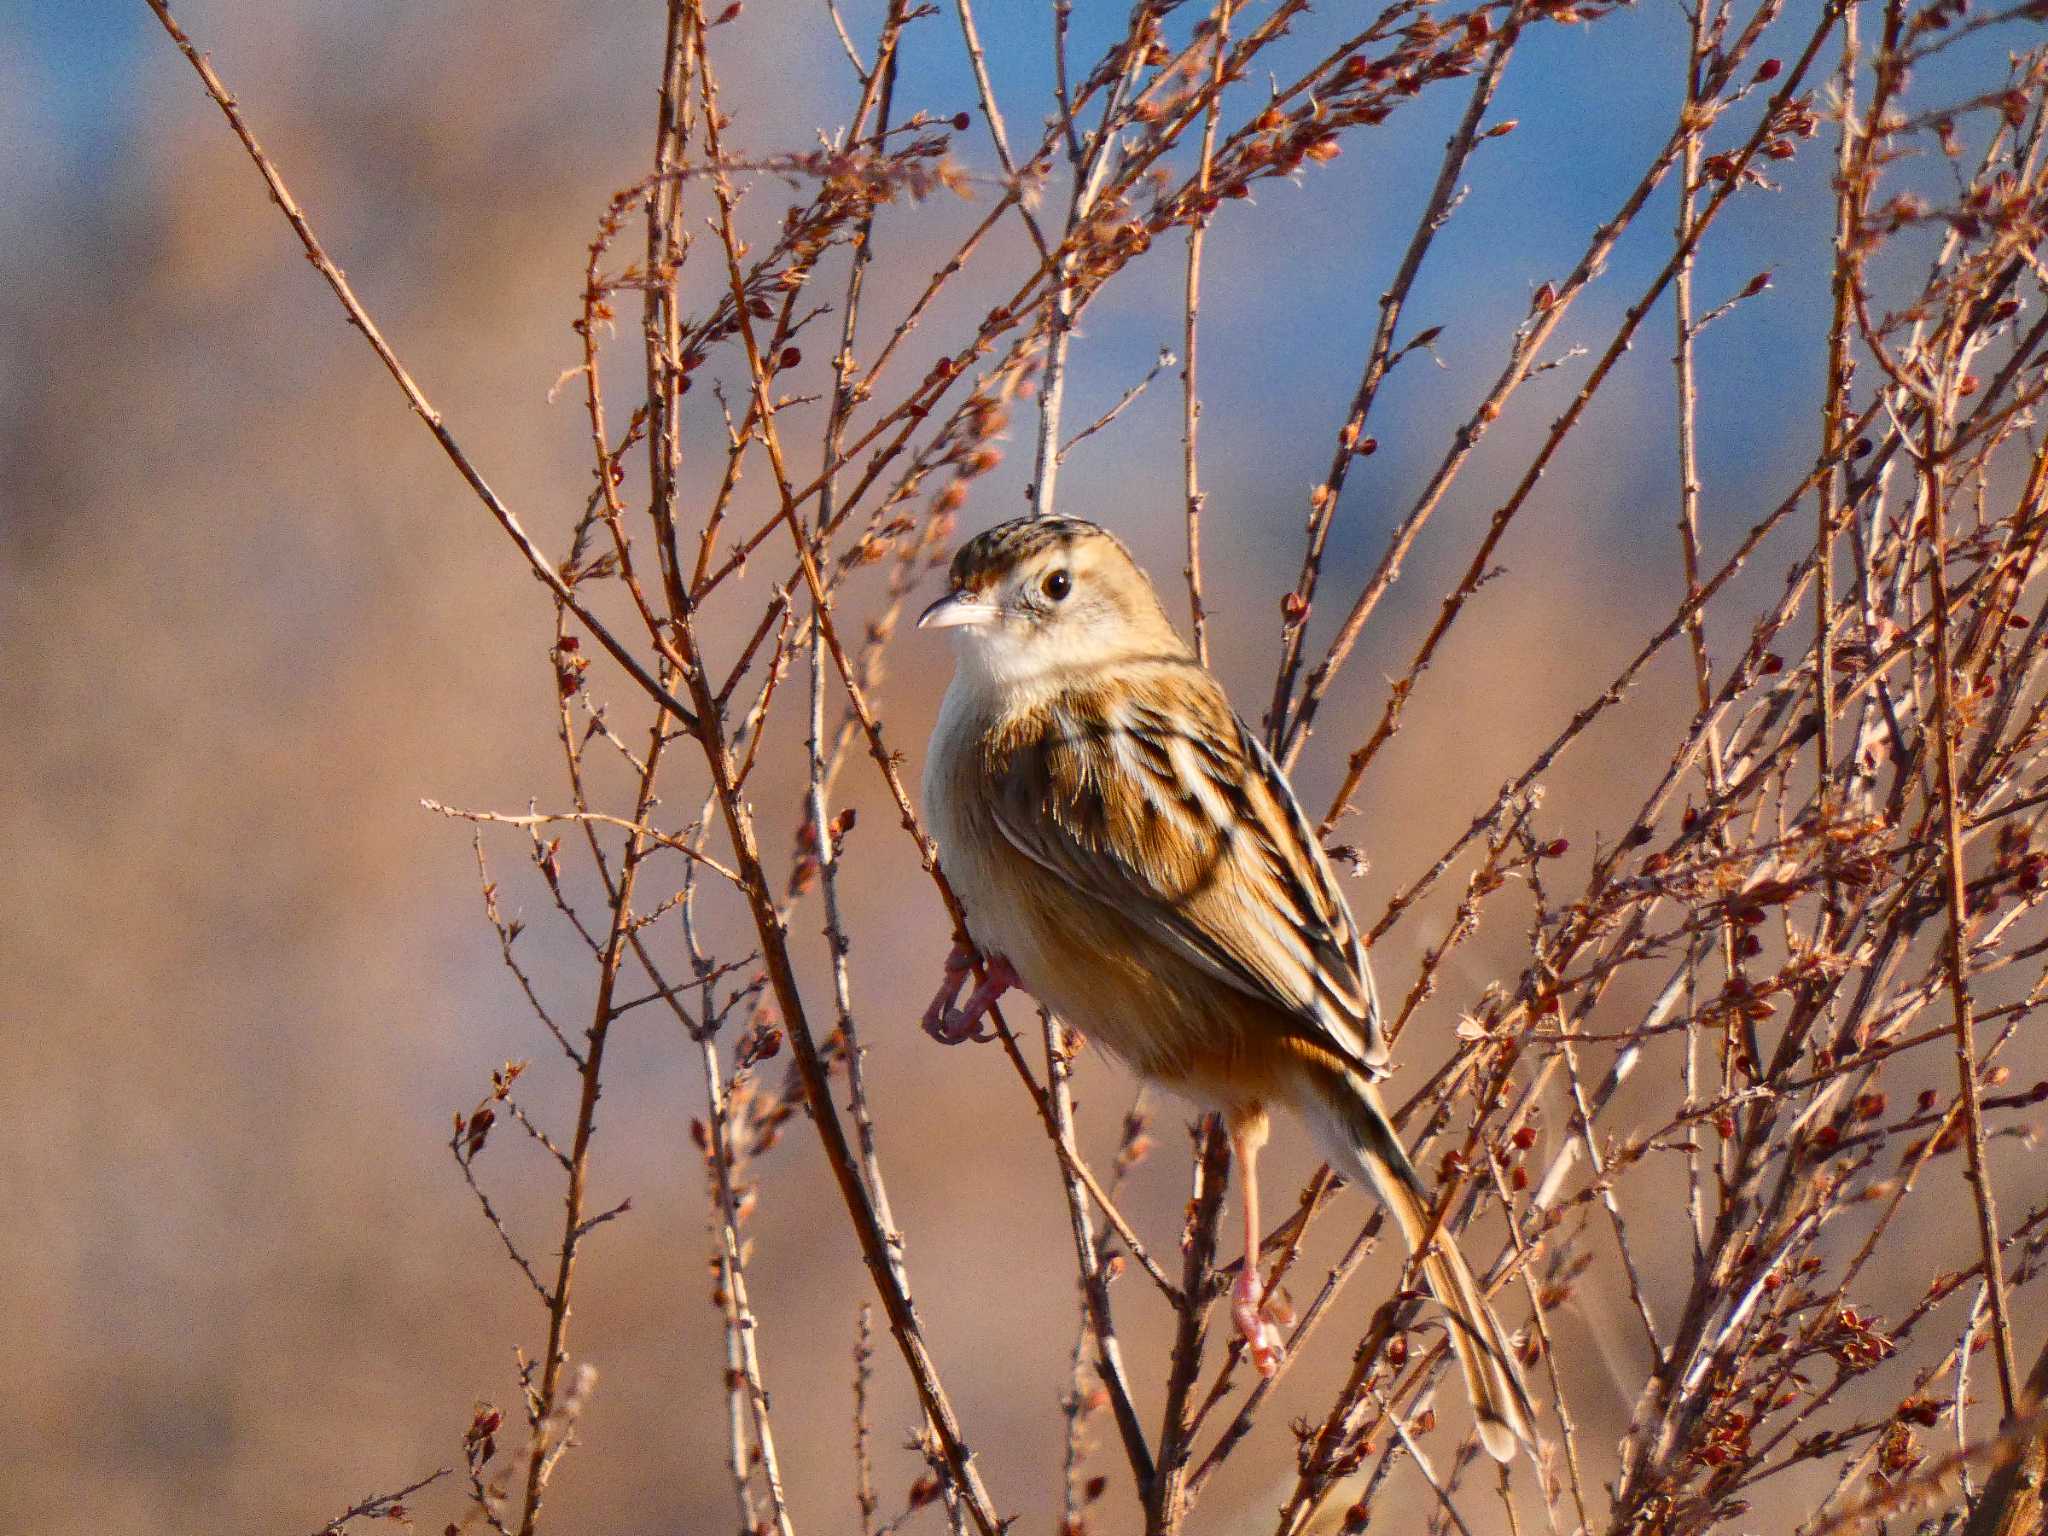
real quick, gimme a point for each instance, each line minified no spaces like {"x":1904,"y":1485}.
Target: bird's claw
{"x":953,"y":1027}
{"x":957,"y":1026}
{"x":1257,"y":1323}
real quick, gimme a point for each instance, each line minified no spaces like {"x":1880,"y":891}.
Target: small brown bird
{"x":1129,"y":853}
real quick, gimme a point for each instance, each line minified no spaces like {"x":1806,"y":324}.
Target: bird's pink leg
{"x":950,"y":1025}
{"x":1247,"y":1298}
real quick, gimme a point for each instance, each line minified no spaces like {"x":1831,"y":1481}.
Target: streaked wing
{"x":1156,"y":800}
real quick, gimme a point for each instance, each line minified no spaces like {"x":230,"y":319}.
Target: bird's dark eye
{"x":1058,"y":585}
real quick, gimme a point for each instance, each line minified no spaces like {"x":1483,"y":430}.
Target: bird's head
{"x":1037,"y":597}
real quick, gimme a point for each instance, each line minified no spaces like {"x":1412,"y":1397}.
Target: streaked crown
{"x":989,"y":557}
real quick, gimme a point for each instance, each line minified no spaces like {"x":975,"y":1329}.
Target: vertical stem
{"x":1052,"y":386}
{"x":837,"y":945}
{"x":2015,"y":1501}
{"x":1541,"y":1324}
{"x":739,"y":1448}
{"x":1168,"y":1504}
{"x":1059,"y":1046}
{"x":574,"y":1204}
{"x":863,"y":1457}
{"x":882,"y":1262}
{"x":820,"y":812}
{"x":1688,"y":508}
{"x":661,"y":318}
{"x":1834,"y":415}
{"x":1191,"y":400}
{"x":742,"y":1335}
{"x":1688,"y":394}
{"x":1934,"y":497}
{"x":1052,"y":389}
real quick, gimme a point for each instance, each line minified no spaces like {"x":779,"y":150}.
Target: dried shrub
{"x":1830,"y":897}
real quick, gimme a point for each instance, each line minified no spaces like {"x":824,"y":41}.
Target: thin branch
{"x":1947,"y":726}
{"x":1191,"y":310}
{"x":381,"y":1506}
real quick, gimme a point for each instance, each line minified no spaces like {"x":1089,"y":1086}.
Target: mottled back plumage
{"x":1143,"y":790}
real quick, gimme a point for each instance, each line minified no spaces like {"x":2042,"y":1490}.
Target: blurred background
{"x":251,"y":618}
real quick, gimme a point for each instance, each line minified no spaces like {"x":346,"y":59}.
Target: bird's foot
{"x":958,"y":964}
{"x":954,"y":1026}
{"x":1258,"y":1321}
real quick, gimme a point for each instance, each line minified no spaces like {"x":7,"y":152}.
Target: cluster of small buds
{"x":1512,"y":1150}
{"x":1725,"y":1440}
{"x":803,"y":872}
{"x":970,"y":447}
{"x":1898,"y":1452}
{"x":1136,"y":1144}
{"x":1089,"y":1491}
{"x":1856,"y":1341}
{"x":480,"y":1443}
{"x":1304,"y":127}
{"x":570,"y":665}
{"x":472,"y":1130}
{"x":1937,"y":16}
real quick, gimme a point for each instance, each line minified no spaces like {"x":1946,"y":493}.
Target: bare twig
{"x":381,"y":1506}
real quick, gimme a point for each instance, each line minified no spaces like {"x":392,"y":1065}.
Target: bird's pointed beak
{"x":957,"y":608}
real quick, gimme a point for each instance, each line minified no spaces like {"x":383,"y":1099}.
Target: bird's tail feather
{"x":1361,"y":1142}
